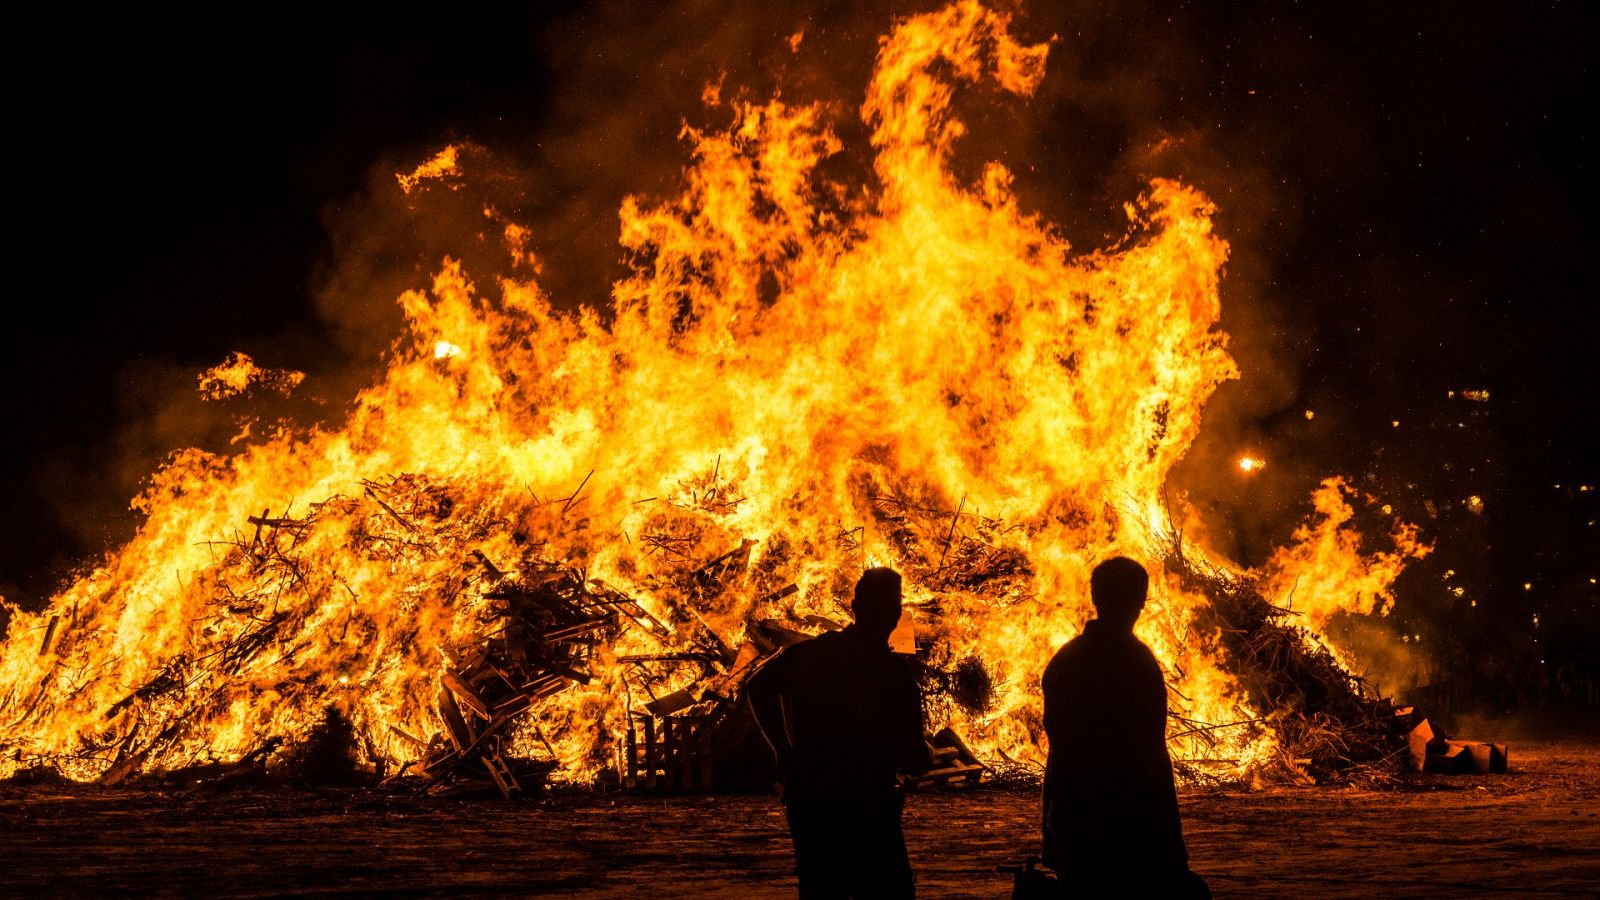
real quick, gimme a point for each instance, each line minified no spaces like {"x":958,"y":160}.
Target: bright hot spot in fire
{"x":928,"y":347}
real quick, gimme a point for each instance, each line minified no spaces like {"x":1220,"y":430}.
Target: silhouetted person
{"x":843,"y":713}
{"x":1111,"y":826}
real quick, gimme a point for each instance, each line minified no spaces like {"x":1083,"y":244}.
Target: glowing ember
{"x":1251,"y":464}
{"x":923,"y":376}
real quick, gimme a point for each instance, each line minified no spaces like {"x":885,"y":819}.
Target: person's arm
{"x":1050,"y":852}
{"x":912,"y":755}
{"x":765,"y":691}
{"x":1149,"y":701}
{"x":1050,"y":691}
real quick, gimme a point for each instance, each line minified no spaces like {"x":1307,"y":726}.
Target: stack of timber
{"x":544,"y":625}
{"x":689,"y":730}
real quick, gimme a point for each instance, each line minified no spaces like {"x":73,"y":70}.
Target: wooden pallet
{"x":669,"y":754}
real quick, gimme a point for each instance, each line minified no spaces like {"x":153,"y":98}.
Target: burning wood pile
{"x":541,"y":627}
{"x":1329,"y":724}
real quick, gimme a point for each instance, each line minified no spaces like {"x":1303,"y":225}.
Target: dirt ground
{"x":1532,"y":832}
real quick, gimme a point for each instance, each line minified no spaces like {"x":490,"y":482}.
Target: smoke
{"x":1394,"y":665}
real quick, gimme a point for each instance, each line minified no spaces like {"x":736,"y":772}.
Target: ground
{"x":1532,"y":832}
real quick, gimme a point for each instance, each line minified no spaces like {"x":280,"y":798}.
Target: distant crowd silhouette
{"x":1502,"y":684}
{"x":843,"y":716}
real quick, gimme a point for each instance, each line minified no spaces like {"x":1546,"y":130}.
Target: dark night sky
{"x":1403,"y":186}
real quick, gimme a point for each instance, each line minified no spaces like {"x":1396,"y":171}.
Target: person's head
{"x":1118,"y":587}
{"x":876,"y":605}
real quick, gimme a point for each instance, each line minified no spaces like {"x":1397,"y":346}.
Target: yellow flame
{"x":1325,"y":571}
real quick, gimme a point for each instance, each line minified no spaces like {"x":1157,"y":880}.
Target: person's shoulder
{"x":1063,"y":656}
{"x":788,"y":657}
{"x":1071,"y":648}
{"x":1145,"y":658}
{"x":903,"y":665}
{"x":821,"y":649}
{"x":1143,"y":650}
{"x":827,"y":643}
{"x":826,"y":639}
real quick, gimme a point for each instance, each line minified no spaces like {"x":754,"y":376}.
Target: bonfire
{"x":551,"y":545}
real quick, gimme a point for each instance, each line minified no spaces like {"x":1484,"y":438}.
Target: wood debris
{"x":1431,"y":751}
{"x":954,"y":764}
{"x":544,"y":626}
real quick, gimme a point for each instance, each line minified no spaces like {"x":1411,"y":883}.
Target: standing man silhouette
{"x":843,"y":713}
{"x":1111,"y":826}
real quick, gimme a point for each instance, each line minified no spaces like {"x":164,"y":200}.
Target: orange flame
{"x":929,"y":345}
{"x":239,"y":373}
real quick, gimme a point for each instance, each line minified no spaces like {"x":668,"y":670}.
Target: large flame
{"x":922,"y":376}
